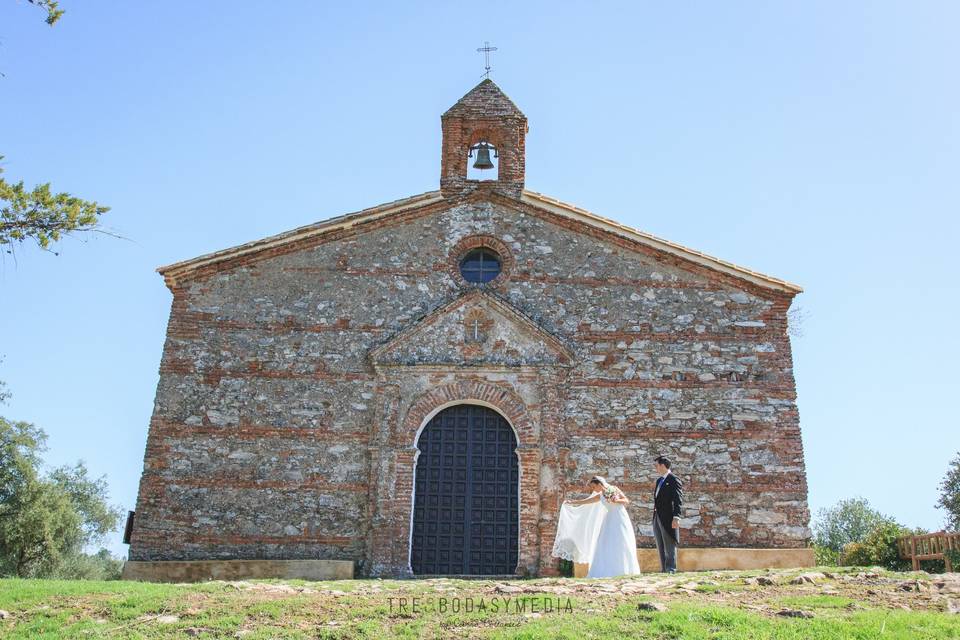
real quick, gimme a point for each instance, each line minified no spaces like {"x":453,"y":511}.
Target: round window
{"x":480,"y":265}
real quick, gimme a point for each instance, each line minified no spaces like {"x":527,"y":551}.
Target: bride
{"x":598,"y":530}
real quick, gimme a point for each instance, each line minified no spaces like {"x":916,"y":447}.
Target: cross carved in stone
{"x":473,"y":326}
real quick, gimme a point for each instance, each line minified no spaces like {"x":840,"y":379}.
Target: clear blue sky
{"x":817,"y":142}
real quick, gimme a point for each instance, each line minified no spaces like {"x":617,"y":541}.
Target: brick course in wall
{"x":297,"y":373}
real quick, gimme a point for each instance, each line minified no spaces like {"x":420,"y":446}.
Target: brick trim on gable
{"x":416,"y":207}
{"x":662,"y":256}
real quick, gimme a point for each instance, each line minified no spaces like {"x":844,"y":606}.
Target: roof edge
{"x":479,"y":87}
{"x":716,"y":264}
{"x":172,"y":271}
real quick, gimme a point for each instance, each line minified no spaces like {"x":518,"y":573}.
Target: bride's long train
{"x":599,"y":533}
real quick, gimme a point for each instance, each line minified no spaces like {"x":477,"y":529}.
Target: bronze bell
{"x":483,"y":156}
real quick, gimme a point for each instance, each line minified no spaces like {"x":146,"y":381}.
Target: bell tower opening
{"x":483,"y":162}
{"x":483,"y":142}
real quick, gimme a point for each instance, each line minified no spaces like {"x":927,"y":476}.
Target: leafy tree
{"x":20,"y":447}
{"x":845,"y":522}
{"x":39,"y":214}
{"x":950,"y":495}
{"x":46,"y":520}
{"x":53,"y":10}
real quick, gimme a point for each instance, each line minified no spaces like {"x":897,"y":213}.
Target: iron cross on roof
{"x":486,"y":49}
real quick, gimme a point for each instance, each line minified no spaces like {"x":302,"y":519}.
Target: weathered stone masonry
{"x":298,"y":370}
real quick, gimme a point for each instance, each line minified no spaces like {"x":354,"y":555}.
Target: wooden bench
{"x":930,"y":546}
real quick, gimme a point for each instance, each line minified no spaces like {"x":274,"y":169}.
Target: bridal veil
{"x":577,"y":529}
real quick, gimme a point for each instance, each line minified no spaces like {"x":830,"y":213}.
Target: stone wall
{"x":277,"y":435}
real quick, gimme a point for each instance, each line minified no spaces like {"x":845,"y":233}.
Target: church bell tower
{"x":481,"y":127}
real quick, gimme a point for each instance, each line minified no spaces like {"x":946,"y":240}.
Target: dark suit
{"x":667,"y":503}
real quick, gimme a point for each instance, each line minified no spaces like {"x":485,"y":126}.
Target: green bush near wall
{"x":825,"y":556}
{"x":878,"y":548}
{"x":954,"y":555}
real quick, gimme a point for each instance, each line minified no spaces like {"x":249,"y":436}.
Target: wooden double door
{"x":466,"y":518}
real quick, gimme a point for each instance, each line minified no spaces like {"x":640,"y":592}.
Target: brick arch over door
{"x":499,"y":397}
{"x":511,"y":406}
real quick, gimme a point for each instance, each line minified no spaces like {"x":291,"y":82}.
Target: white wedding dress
{"x":599,"y":533}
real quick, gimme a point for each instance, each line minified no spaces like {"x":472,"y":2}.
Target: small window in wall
{"x":483,"y":162}
{"x":480,"y":266}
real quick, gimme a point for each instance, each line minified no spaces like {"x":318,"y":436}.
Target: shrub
{"x":82,"y":566}
{"x":950,"y":494}
{"x":878,"y":548}
{"x":855,"y":554}
{"x":954,"y":555}
{"x":845,"y":522}
{"x":825,"y":557}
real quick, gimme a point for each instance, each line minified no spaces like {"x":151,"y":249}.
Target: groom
{"x":667,"y":500}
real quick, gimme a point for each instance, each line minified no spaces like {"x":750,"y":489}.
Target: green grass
{"x":697,"y":622}
{"x":718,"y":588}
{"x":816,"y":602}
{"x":74,"y":610}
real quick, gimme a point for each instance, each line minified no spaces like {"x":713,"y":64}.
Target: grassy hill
{"x":855,"y":603}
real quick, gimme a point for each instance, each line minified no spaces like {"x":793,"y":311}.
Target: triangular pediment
{"x":531,"y":202}
{"x":477,"y":328}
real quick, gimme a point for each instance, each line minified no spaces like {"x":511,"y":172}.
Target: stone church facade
{"x":415,"y":387}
